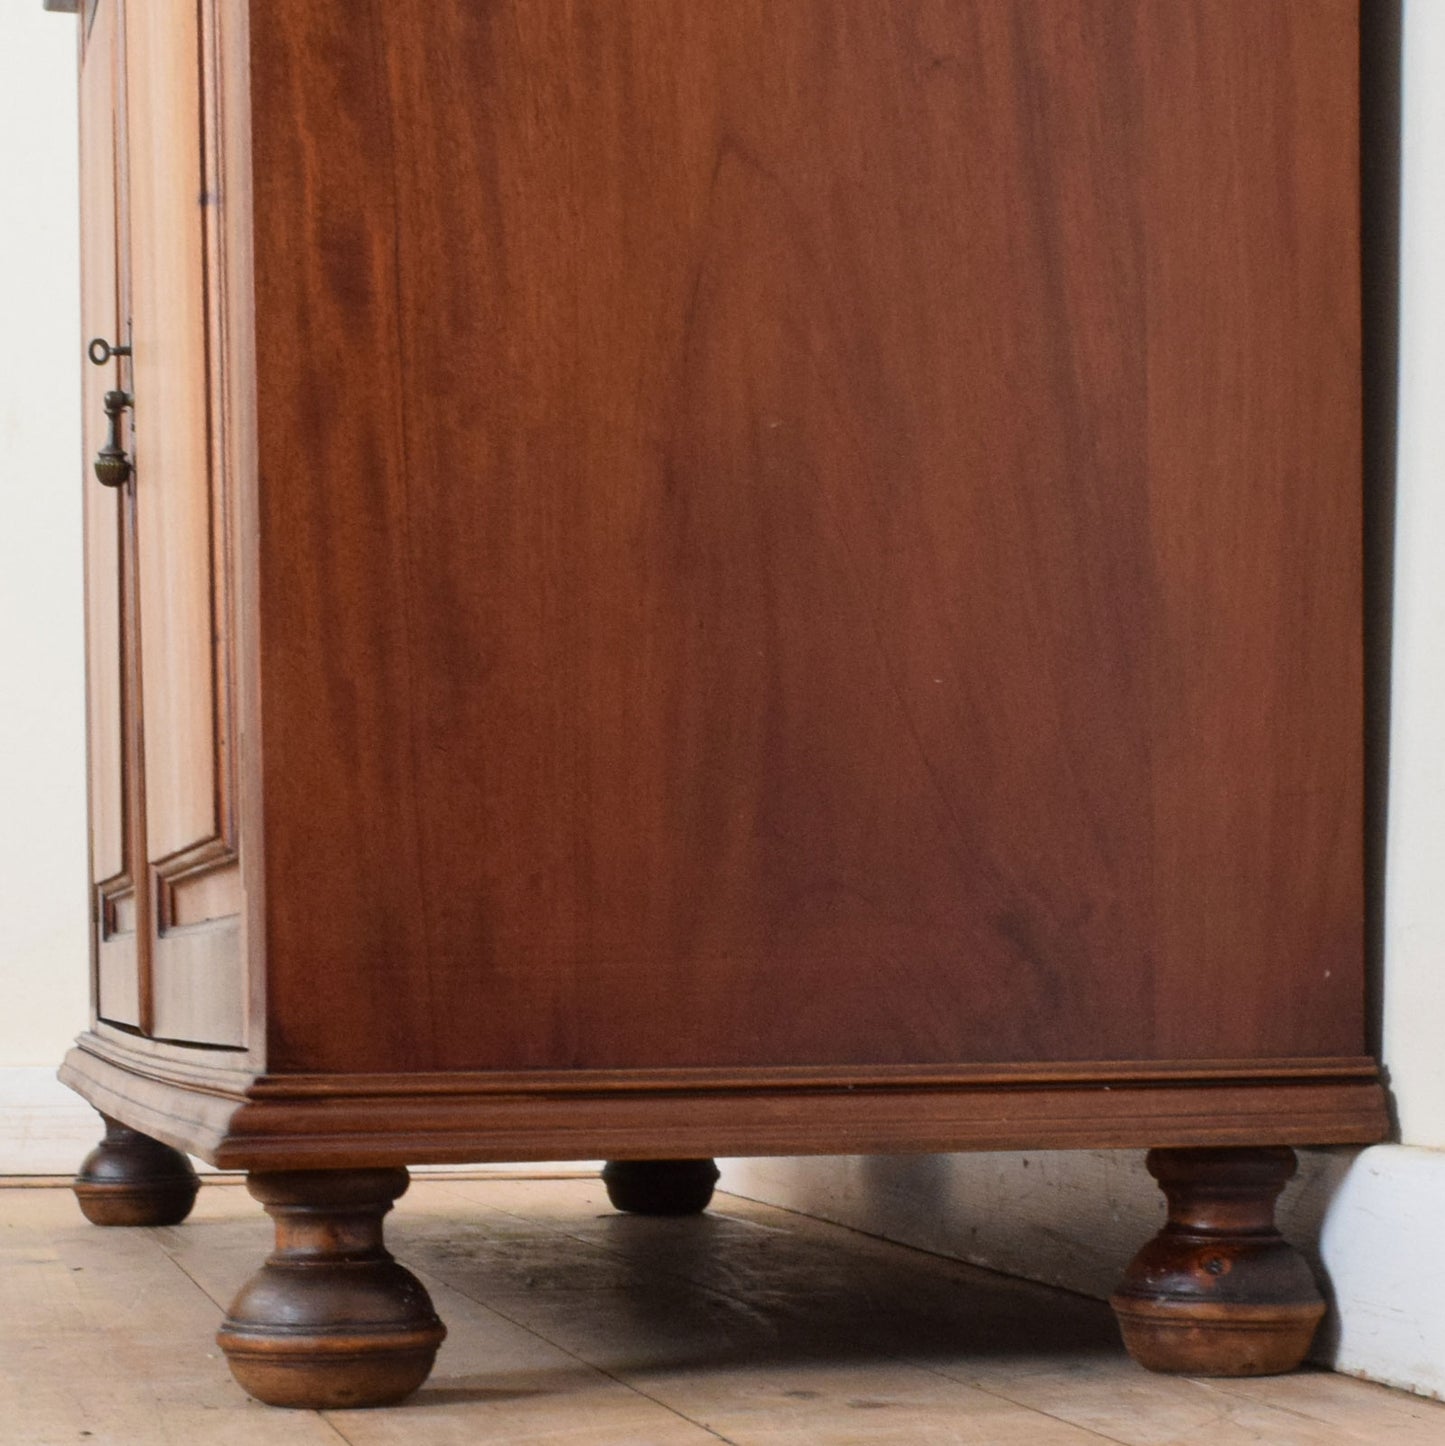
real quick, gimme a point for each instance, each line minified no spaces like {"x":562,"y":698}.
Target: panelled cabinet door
{"x":181,"y":533}
{"x":117,"y":904}
{"x":174,"y":624}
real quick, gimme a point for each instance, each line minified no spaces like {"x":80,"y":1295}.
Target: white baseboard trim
{"x":45,"y":1128}
{"x":1380,"y":1244}
{"x":1369,"y":1219}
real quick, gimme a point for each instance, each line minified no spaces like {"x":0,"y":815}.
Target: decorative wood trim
{"x":826,"y":1077}
{"x":217,"y":289}
{"x":476,"y":1128}
{"x":190,"y":1066}
{"x":133,"y":770}
{"x":228,"y":32}
{"x":168,"y":1062}
{"x":190,"y":865}
{"x":110,"y":894}
{"x":191,"y":1117}
{"x":276,"y":1122}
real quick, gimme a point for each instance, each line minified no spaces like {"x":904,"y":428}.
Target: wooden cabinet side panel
{"x":1255,"y":524}
{"x":790,"y":533}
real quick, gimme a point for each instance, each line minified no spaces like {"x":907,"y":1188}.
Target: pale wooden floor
{"x":573,"y":1326}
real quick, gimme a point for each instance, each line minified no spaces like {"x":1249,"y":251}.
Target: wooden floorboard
{"x":572,"y":1325}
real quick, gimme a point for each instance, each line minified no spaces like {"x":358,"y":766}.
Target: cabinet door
{"x":158,"y":566}
{"x":118,"y":906}
{"x":182,"y":539}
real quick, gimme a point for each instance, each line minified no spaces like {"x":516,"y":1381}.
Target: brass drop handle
{"x":112,"y":466}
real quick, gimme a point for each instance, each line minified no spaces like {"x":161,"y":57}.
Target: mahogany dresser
{"x":673,"y":579}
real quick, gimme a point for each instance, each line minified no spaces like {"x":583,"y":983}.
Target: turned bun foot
{"x":1219,"y":1292}
{"x":131,"y":1179}
{"x":330,"y":1320}
{"x":660,"y":1187}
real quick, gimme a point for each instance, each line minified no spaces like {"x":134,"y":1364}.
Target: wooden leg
{"x":331,"y":1319}
{"x":131,"y":1179}
{"x":660,"y":1187}
{"x":1219,"y":1292}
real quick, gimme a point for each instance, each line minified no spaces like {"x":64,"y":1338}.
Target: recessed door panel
{"x":182,"y":539}
{"x":168,"y":305}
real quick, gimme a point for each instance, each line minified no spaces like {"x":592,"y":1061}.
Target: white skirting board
{"x":1370,"y":1220}
{"x":45,"y":1128}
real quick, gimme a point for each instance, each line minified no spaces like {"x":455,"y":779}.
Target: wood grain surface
{"x":809,"y":533}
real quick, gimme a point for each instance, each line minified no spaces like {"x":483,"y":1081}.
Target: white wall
{"x":43,"y":948}
{"x":1415,"y":861}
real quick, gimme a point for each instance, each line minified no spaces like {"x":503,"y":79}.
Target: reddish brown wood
{"x":859,"y":557}
{"x":283,"y":1122}
{"x":331,"y":1319}
{"x":660,"y":1187}
{"x":1219,"y":1292}
{"x":131,"y":1179}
